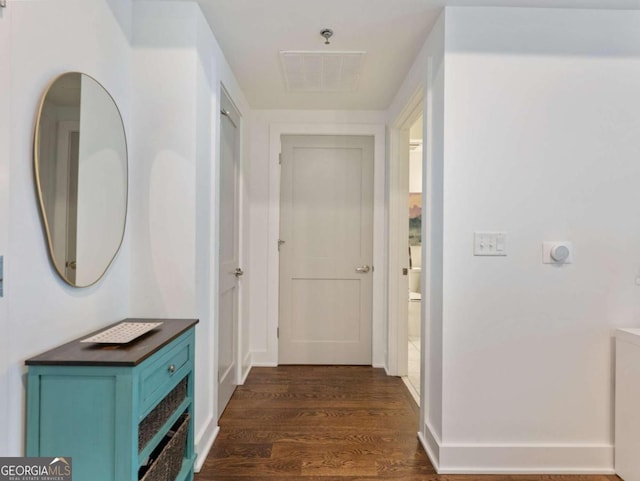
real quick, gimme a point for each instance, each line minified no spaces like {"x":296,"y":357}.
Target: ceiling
{"x":253,"y":32}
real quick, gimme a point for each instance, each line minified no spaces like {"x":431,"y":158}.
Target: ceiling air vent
{"x":309,"y":71}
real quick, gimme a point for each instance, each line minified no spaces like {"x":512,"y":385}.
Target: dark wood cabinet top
{"x":76,"y":353}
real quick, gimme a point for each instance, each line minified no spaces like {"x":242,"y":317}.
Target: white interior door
{"x":326,"y":251}
{"x":230,"y":272}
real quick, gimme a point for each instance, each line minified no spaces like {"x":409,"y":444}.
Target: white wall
{"x":432,"y":232}
{"x":541,"y":141}
{"x":172,"y":159}
{"x":541,"y":144}
{"x":264,"y":206}
{"x":164,"y":172}
{"x":45,"y":39}
{"x":174,"y":272}
{"x":167,"y":264}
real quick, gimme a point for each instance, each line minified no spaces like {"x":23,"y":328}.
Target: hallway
{"x":329,"y":423}
{"x":318,"y":422}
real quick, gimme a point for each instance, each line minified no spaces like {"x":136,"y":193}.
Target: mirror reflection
{"x":80,"y":156}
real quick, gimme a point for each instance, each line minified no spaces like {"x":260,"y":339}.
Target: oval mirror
{"x":80,"y":157}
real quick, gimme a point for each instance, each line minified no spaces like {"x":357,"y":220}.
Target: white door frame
{"x":398,"y":173}
{"x":276,"y":130}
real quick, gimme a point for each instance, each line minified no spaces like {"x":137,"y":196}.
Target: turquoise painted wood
{"x":92,"y":413}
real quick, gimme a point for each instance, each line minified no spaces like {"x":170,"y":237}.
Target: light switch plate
{"x":489,"y":243}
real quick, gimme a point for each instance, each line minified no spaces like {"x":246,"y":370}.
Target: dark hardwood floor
{"x":327,"y":423}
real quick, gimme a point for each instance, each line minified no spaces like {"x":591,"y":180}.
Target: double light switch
{"x":489,"y":243}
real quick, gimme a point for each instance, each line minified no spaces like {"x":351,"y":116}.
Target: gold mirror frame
{"x":61,"y":265}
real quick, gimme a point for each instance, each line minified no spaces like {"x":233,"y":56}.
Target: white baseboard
{"x":516,"y":459}
{"x":204,"y":443}
{"x":245,"y":374}
{"x":263,"y":359}
{"x":431,"y":443}
{"x":245,"y":369}
{"x":265,"y":364}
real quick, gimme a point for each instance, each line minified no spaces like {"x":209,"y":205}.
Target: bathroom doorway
{"x":414,"y":294}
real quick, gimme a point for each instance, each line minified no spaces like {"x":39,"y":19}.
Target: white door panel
{"x":228,"y":254}
{"x":327,"y":224}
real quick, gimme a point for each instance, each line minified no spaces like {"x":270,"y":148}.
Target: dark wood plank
{"x":317,"y":436}
{"x":76,"y":353}
{"x":328,"y":423}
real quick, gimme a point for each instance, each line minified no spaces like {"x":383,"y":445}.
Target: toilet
{"x":415,"y":293}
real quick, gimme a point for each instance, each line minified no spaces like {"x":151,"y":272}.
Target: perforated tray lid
{"x":123,"y":333}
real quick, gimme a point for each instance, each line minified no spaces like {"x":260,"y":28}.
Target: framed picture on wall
{"x":415,"y":219}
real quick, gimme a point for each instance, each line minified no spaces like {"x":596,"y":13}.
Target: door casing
{"x":398,"y":182}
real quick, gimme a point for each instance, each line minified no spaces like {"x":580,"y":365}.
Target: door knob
{"x":363,"y":269}
{"x":238,"y":272}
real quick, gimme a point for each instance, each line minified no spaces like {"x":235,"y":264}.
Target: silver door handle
{"x":363,"y":269}
{"x":227,"y":114}
{"x":238,"y":272}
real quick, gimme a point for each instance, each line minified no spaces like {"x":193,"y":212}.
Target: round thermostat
{"x":559,"y":253}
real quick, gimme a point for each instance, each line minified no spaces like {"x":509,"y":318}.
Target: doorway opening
{"x":414,"y":295}
{"x":405,"y":260}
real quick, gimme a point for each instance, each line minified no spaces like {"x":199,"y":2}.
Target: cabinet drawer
{"x":163,"y":374}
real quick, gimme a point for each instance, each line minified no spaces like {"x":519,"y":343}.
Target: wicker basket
{"x":163,"y":411}
{"x":169,"y":462}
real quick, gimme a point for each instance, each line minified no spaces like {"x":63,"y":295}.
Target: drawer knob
{"x":172,"y":368}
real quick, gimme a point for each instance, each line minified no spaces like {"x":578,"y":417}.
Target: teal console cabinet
{"x":121,"y":412}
